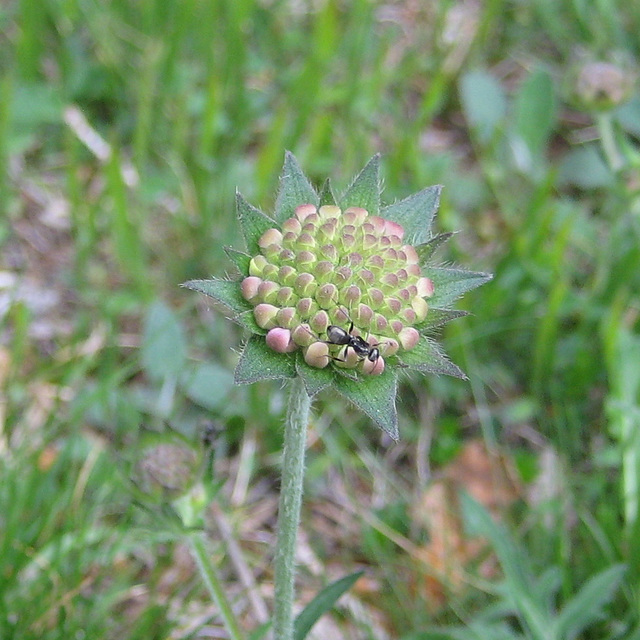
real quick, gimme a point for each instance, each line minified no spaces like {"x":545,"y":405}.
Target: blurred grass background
{"x":125,"y":128}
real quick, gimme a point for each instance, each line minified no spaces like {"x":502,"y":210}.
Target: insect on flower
{"x":361,"y":347}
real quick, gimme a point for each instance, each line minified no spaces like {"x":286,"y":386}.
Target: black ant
{"x":337,"y":335}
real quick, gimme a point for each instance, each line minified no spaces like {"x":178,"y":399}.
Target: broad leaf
{"x":450,"y":284}
{"x":226,"y":292}
{"x":322,"y":603}
{"x":207,"y":384}
{"x":415,"y":214}
{"x":259,"y":362}
{"x":427,"y":357}
{"x":163,"y":350}
{"x":375,"y":396}
{"x":484,"y":103}
{"x":364,"y":191}
{"x":587,"y":605}
{"x":253,"y":223}
{"x":295,"y":189}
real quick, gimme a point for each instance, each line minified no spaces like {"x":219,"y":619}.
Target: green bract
{"x":322,"y":262}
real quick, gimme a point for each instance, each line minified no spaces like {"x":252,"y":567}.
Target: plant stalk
{"x":214,"y":585}
{"x":295,"y":440}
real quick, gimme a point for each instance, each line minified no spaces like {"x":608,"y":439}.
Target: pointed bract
{"x":450,"y":284}
{"x":375,"y":396}
{"x":259,"y":362}
{"x":364,"y":191}
{"x":426,"y":250}
{"x":415,"y":214}
{"x":314,"y":379}
{"x":295,"y":189}
{"x":326,"y":194}
{"x":253,"y":223}
{"x":427,"y":357}
{"x":226,"y":292}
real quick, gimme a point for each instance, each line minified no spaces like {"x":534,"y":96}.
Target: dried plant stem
{"x":295,"y":438}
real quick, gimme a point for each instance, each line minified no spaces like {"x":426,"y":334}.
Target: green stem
{"x":214,"y":585}
{"x":295,"y":439}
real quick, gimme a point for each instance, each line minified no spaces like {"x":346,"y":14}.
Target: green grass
{"x":199,"y":97}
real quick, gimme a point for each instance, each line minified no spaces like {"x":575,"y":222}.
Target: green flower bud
{"x":317,"y":355}
{"x":287,"y":275}
{"x":319,"y":322}
{"x":257,"y":265}
{"x":306,"y":307}
{"x":287,"y":318}
{"x":303,"y":336}
{"x":305,"y":285}
{"x":268,"y":291}
{"x":286,"y":296}
{"x":420,"y":306}
{"x":327,"y":295}
{"x":265,"y":315}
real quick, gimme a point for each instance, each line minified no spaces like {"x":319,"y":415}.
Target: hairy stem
{"x":295,"y":438}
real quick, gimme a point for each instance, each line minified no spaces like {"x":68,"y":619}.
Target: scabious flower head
{"x":325,"y":267}
{"x":340,"y":291}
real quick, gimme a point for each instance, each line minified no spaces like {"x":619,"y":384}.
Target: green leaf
{"x":587,"y":605}
{"x":259,"y":362}
{"x":208,"y":385}
{"x":253,"y":223}
{"x":584,"y":167}
{"x":364,"y":191}
{"x":484,"y":103}
{"x":427,"y":249}
{"x":375,"y":396}
{"x":415,"y":214}
{"x":450,"y":284}
{"x":226,"y":292}
{"x":322,"y":603}
{"x":295,"y":189}
{"x":427,"y":357}
{"x":326,"y":194}
{"x":438,"y":317}
{"x":535,"y":111}
{"x":314,"y":379}
{"x":239,"y":258}
{"x":163,"y":351}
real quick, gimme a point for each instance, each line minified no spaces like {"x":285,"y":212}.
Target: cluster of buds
{"x":342,"y":286}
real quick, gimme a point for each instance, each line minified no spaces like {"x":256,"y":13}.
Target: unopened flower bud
{"x":327,"y":295}
{"x":373,"y":368}
{"x":320,"y":321}
{"x":303,"y":336}
{"x":287,"y":317}
{"x":425,"y":287}
{"x":317,"y":355}
{"x":329,"y":211}
{"x":257,"y":265}
{"x":265,"y":315}
{"x":279,"y":340}
{"x":267,"y":291}
{"x":408,"y":338}
{"x":269,"y":237}
{"x":285,"y":296}
{"x":249,"y":287}
{"x":420,"y":306}
{"x":304,"y":211}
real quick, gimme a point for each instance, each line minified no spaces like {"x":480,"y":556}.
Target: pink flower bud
{"x":267,"y":291}
{"x":304,"y":211}
{"x":269,"y":237}
{"x":291,"y":225}
{"x":408,"y":338}
{"x":280,"y":340}
{"x":393,"y":229}
{"x":320,"y":321}
{"x":327,"y":295}
{"x":425,"y":287}
{"x":374,"y":368}
{"x":411,"y":253}
{"x":249,"y":287}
